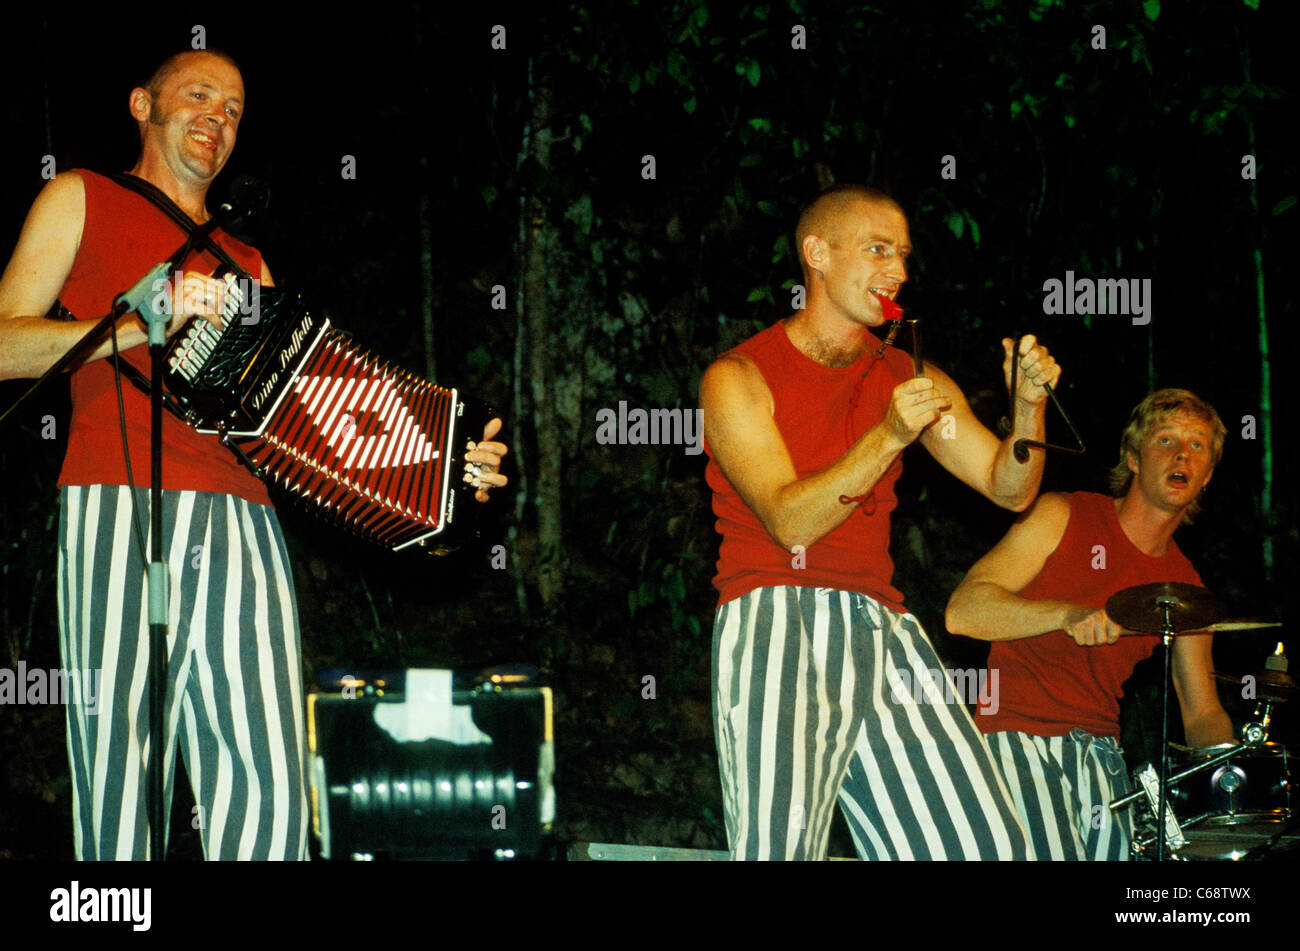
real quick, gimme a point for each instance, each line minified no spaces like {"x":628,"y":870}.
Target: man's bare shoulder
{"x":1048,"y":508}
{"x":65,"y":192}
{"x":46,"y":249}
{"x":59,"y":212}
{"x":1047,"y":516}
{"x":733,"y":377}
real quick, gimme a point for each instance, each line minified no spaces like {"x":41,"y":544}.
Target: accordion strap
{"x":168,"y":207}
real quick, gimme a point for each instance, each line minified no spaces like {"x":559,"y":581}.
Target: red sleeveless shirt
{"x":1048,"y":685}
{"x":820,"y":412}
{"x":123,"y":236}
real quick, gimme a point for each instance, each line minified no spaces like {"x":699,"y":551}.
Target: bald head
{"x":154,"y":84}
{"x":827,"y":215}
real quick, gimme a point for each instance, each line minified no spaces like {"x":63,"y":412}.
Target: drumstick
{"x":1243,"y":625}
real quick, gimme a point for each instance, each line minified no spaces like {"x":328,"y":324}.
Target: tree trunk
{"x":1267,"y":515}
{"x":426,"y":275}
{"x":537,"y":306}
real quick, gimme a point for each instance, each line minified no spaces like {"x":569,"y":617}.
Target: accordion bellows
{"x":370,"y":446}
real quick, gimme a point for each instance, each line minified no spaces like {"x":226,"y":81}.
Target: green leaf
{"x":752,"y":72}
{"x":677,"y":66}
{"x":799,"y":148}
{"x":489,"y":195}
{"x":974,"y":228}
{"x":676,"y":587}
{"x":689,"y":105}
{"x":1069,"y":121}
{"x":760,"y":125}
{"x":1284,"y":204}
{"x":767,"y":208}
{"x":1253,"y":4}
{"x":757,"y":294}
{"x":750,"y":160}
{"x":1152,"y":9}
{"x":956,"y":224}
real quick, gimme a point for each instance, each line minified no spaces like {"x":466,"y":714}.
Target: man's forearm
{"x":809,"y":509}
{"x":989,"y":612}
{"x":31,"y":345}
{"x":1208,"y":729}
{"x":1015,"y":483}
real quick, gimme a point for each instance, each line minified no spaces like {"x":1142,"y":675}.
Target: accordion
{"x":367,"y":445}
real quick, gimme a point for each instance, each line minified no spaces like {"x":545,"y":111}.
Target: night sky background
{"x":1118,"y":162}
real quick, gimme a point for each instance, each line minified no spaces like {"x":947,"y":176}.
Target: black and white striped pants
{"x":806,"y":709}
{"x":234,"y":684}
{"x":1062,"y":787}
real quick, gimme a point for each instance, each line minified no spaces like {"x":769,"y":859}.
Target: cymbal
{"x":1269,"y":685}
{"x":1142,"y":607}
{"x":1241,"y":624}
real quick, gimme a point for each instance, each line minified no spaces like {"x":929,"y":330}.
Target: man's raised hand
{"x":1036,"y":367}
{"x":915,"y":404}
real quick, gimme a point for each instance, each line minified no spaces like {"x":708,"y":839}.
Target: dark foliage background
{"x":1118,"y":162}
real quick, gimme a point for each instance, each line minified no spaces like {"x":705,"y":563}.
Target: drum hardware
{"x":1149,"y":785}
{"x":1235,"y":810}
{"x":1165,"y":608}
{"x":1268,"y":844}
{"x":1148,"y":782}
{"x":1242,"y":806}
{"x":1271,"y":685}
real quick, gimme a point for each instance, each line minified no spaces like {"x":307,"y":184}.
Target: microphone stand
{"x":144,"y":298}
{"x":159,"y":584}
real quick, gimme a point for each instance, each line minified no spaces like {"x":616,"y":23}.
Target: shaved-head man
{"x":805,"y":426}
{"x":234,"y":679}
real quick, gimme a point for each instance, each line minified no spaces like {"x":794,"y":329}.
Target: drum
{"x":1228,"y":809}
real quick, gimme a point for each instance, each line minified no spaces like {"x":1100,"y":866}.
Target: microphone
{"x":246,"y":198}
